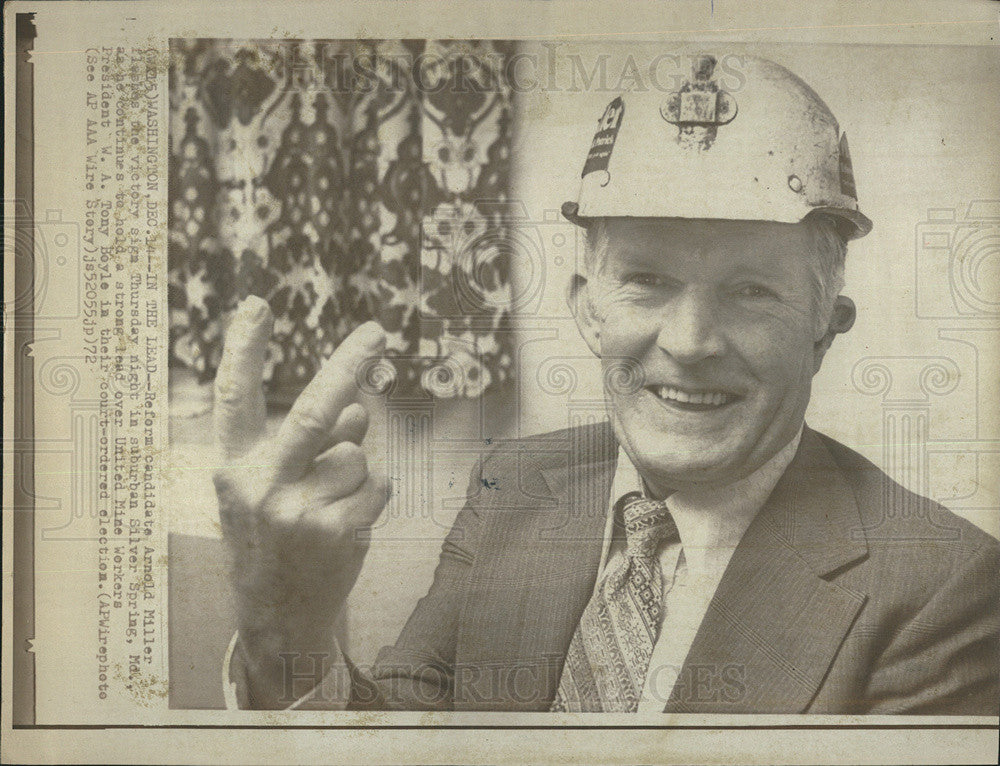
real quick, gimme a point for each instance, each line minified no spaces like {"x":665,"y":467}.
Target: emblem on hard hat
{"x":604,"y":139}
{"x":700,"y":106}
{"x":847,"y":186}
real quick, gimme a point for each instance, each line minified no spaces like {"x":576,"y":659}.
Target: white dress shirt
{"x":711,"y":523}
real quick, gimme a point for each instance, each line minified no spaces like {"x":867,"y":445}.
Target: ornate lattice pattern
{"x":343,"y":181}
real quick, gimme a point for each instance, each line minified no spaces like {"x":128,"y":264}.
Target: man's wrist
{"x":280,"y":672}
{"x":291,"y":679}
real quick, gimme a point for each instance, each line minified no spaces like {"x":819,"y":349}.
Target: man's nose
{"x":690,"y":329}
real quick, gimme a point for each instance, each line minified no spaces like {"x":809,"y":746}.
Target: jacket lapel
{"x":534,"y":581}
{"x":777,"y":618}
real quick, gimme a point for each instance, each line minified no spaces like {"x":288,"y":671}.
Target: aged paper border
{"x":406,"y":737}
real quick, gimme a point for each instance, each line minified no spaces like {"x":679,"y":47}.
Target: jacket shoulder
{"x":552,"y":450}
{"x":899,"y":522}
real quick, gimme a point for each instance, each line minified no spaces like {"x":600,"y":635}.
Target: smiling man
{"x":701,"y":551}
{"x":728,"y":322}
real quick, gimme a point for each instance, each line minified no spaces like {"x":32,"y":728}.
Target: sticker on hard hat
{"x":604,"y":139}
{"x":847,"y":186}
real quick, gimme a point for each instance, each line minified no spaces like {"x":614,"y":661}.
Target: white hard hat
{"x":768,"y":150}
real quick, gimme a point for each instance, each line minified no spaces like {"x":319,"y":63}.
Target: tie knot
{"x":647,"y":524}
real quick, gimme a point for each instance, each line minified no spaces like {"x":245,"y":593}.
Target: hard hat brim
{"x":854,"y":223}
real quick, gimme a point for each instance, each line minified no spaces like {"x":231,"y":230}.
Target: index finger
{"x":305,"y":432}
{"x":239,"y":409}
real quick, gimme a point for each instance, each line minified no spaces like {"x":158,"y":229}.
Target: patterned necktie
{"x":608,"y":657}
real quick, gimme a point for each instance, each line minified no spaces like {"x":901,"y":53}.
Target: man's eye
{"x":755,"y":291}
{"x":643,"y":279}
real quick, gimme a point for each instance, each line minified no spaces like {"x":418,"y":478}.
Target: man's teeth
{"x":700,"y":397}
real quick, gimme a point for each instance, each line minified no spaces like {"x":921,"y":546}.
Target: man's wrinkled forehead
{"x":661,"y":237}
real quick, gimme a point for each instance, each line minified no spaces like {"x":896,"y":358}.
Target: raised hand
{"x":295,"y":509}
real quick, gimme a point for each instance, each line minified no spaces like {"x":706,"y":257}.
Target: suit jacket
{"x":847,"y":594}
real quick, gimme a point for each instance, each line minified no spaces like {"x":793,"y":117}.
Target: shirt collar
{"x":711,"y":522}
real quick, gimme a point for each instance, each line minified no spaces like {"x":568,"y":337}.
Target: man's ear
{"x":582,"y":308}
{"x":841,"y":320}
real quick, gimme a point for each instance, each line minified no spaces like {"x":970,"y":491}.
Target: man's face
{"x":721,"y":317}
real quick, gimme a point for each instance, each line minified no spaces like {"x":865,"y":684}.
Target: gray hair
{"x":827,"y":267}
